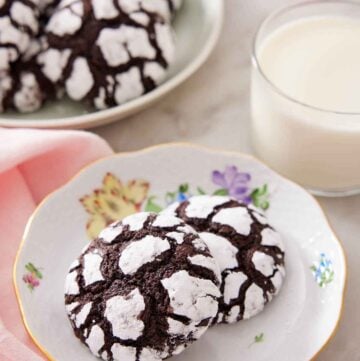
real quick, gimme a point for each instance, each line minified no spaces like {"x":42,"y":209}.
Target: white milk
{"x":314,"y":61}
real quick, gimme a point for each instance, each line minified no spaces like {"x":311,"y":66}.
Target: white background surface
{"x":212,"y":108}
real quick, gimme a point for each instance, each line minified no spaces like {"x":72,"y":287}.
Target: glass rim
{"x":255,"y":61}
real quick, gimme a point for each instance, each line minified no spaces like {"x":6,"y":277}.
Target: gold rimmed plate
{"x":295,"y":326}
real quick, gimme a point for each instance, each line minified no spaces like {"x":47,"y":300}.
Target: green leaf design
{"x":221,"y":192}
{"x":183,"y":188}
{"x":260,"y":197}
{"x":32,"y":269}
{"x":200,"y":191}
{"x":259,"y":338}
{"x":38,"y":274}
{"x":30,"y":287}
{"x":170,"y":197}
{"x":265,"y":205}
{"x":151,"y":206}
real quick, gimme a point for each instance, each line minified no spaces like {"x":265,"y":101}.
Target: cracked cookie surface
{"x":143,"y":290}
{"x":106,"y":52}
{"x":250,"y":253}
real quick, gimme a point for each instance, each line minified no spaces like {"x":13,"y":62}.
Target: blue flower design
{"x":180,"y":195}
{"x":323,"y":271}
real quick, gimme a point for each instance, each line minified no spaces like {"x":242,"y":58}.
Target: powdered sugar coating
{"x":123,"y":313}
{"x":237,"y":218}
{"x":91,"y":271}
{"x":171,"y":209}
{"x":192,"y":297}
{"x":119,"y":44}
{"x":110,"y":233}
{"x":70,"y":307}
{"x":271,"y":238}
{"x":140,"y":252}
{"x":71,"y":285}
{"x":165,"y":221}
{"x":140,"y":18}
{"x":120,"y":352}
{"x":95,"y":340}
{"x":104,"y":9}
{"x":203,"y":206}
{"x":233,"y":315}
{"x":207,"y":262}
{"x":20,"y":89}
{"x":154,"y":71}
{"x":136,"y":221}
{"x":25,"y":16}
{"x":80,"y":81}
{"x":221,"y":249}
{"x":178,"y":236}
{"x":19,"y":23}
{"x":160,"y":7}
{"x":148,"y":354}
{"x":53,"y":63}
{"x":278,"y":279}
{"x":263,"y":263}
{"x":67,"y":20}
{"x":165,"y":35}
{"x":249,"y":252}
{"x":179,"y":328}
{"x":254,"y":301}
{"x":125,"y":42}
{"x":113,"y":46}
{"x":260,"y":217}
{"x":152,"y":272}
{"x":83,"y":314}
{"x":128,"y":85}
{"x":233,"y":283}
{"x":199,"y":244}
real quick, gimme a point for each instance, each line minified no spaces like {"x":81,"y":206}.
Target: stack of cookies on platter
{"x":152,"y":284}
{"x":101,"y":52}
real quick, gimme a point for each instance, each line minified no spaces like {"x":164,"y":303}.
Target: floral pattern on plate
{"x":116,"y":200}
{"x":258,"y":339}
{"x":323,"y":271}
{"x":185,"y":170}
{"x":32,"y":277}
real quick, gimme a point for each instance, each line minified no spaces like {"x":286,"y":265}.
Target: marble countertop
{"x":212,"y":108}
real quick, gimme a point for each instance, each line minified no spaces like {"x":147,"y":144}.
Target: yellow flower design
{"x":113,"y":202}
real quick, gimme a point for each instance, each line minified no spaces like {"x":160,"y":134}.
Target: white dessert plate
{"x":197,"y":28}
{"x":295,"y":326}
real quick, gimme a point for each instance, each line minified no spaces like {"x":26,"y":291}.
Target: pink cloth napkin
{"x":32,"y":164}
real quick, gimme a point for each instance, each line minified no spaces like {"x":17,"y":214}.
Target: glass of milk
{"x":305,"y":95}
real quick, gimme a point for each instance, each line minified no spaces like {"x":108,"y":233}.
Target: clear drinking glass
{"x":317,"y":148}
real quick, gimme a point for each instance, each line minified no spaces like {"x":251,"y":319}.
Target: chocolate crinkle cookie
{"x":20,"y":88}
{"x":249,"y":251}
{"x":106,"y":52}
{"x":143,"y":290}
{"x":19,"y":24}
{"x":23,"y":87}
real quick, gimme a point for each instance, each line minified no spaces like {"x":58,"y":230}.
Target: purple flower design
{"x":234,"y":182}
